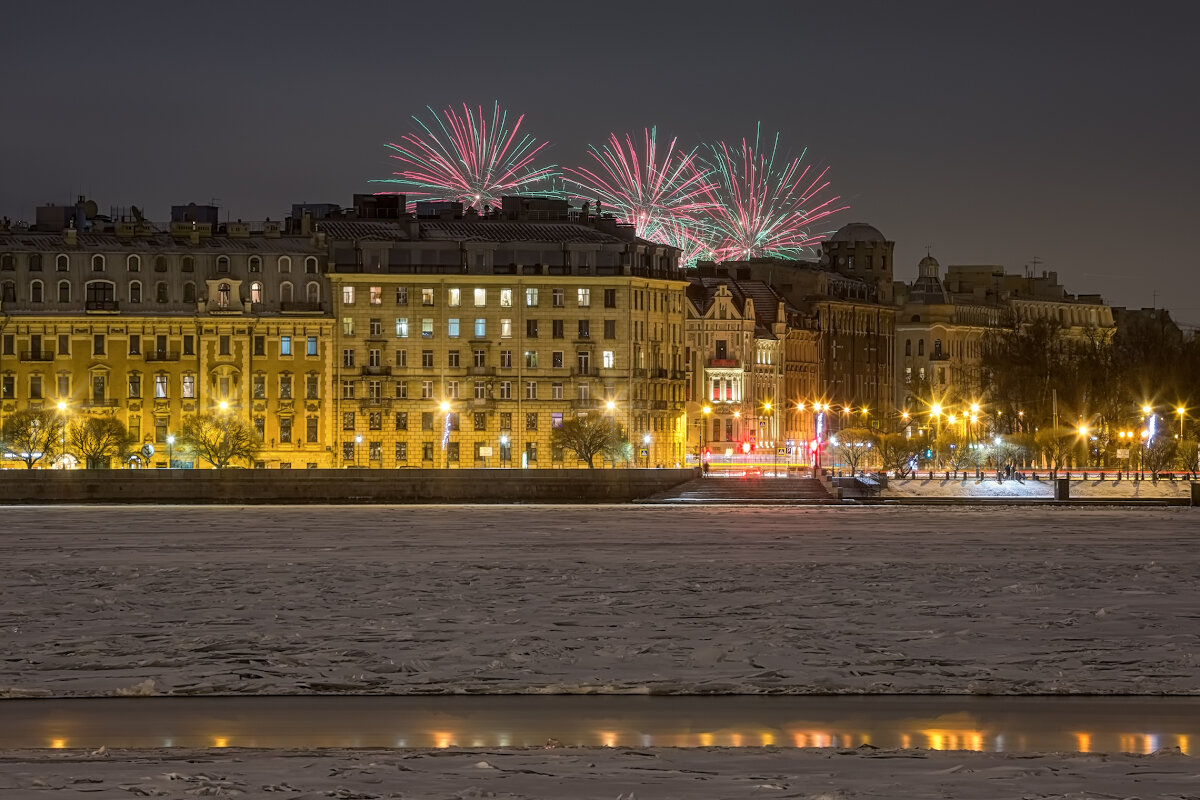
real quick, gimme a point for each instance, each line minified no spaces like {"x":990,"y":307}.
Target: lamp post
{"x":62,"y":428}
{"x":1182,"y":412}
{"x":705,"y":411}
{"x":170,"y":451}
{"x":646,"y":447}
{"x":357,"y":447}
{"x":935,"y":411}
{"x":774,"y":437}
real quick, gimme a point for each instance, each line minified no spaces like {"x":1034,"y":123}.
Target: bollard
{"x":1062,"y":489}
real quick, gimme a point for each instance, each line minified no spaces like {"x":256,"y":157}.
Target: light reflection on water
{"x":1133,"y":725}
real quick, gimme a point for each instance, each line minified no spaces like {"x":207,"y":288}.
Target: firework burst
{"x":661,"y":193}
{"x":761,"y":209}
{"x":468,"y":158}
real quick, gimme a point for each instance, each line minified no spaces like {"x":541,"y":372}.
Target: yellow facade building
{"x":465,"y":342}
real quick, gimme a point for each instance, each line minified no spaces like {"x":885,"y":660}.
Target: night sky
{"x":993,"y":133}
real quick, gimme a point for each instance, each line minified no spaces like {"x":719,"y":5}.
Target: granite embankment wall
{"x":235,"y":486}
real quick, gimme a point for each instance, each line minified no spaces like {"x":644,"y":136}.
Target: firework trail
{"x":761,"y":209}
{"x":468,"y":158}
{"x":662,"y":194}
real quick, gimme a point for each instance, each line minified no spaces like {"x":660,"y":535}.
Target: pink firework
{"x":469,"y":158}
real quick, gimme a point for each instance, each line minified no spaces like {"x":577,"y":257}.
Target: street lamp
{"x":646,"y":447}
{"x":170,"y":451}
{"x":706,"y":410}
{"x":357,"y":447}
{"x":62,"y":428}
{"x":1182,"y":412}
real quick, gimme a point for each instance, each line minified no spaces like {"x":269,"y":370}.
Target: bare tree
{"x":587,"y":437}
{"x":220,"y":439}
{"x":1159,"y":454}
{"x":1189,"y":456}
{"x":32,"y":434}
{"x":619,"y":448}
{"x":1057,"y":445}
{"x":854,"y":446}
{"x":901,"y":454}
{"x":96,"y":440}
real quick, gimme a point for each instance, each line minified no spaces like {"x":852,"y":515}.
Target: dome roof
{"x":857,"y":232}
{"x":928,"y":261}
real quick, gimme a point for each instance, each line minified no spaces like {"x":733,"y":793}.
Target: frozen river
{"x":492,"y":599}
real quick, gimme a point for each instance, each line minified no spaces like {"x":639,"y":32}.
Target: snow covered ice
{"x":486,"y":599}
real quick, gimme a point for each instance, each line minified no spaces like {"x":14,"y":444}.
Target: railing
{"x":483,"y":370}
{"x":101,"y":305}
{"x":95,"y":403}
{"x":660,"y":373}
{"x":162,"y":355}
{"x":939,"y":356}
{"x":660,"y":405}
{"x":37,"y":355}
{"x":723,"y":362}
{"x":584,"y":405}
{"x":381,"y":370}
{"x":375,"y":402}
{"x":299,"y":307}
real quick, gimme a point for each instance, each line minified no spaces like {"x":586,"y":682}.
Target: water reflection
{"x":1134,"y":725}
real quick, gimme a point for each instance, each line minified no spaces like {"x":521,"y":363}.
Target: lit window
{"x":402,"y":327}
{"x":608,"y":359}
{"x":531,"y":297}
{"x":256,"y":292}
{"x":347,"y":326}
{"x":453,"y":297}
{"x":189,"y":387}
{"x":285,"y":345}
{"x":427,"y":328}
{"x":376,"y":295}
{"x":427,"y":297}
{"x":452,"y":328}
{"x":312,"y":345}
{"x":506,"y":329}
{"x":160,"y":386}
{"x":480,"y":298}
{"x":506,"y":298}
{"x":585,"y":297}
{"x":480,"y":328}
{"x":347,"y":295}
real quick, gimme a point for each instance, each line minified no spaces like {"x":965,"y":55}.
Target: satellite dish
{"x":90,"y":209}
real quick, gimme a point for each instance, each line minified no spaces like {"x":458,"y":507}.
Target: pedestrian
{"x":706,"y":469}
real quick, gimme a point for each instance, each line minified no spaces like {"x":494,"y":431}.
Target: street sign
{"x":781,"y":451}
{"x":485,"y":451}
{"x":1122,"y":452}
{"x":147,"y":451}
{"x":644,"y":453}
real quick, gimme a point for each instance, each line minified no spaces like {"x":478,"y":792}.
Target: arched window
{"x":133,"y":263}
{"x":285,"y":264}
{"x":7,"y":262}
{"x":100,"y":296}
{"x":188,"y":264}
{"x":64,"y":291}
{"x":908,"y":347}
{"x":160,"y":292}
{"x":223,"y":295}
{"x":160,"y":263}
{"x":256,"y":293}
{"x":8,"y":292}
{"x":285,"y":292}
{"x":920,"y":347}
{"x":35,"y":292}
{"x":35,"y":262}
{"x":98,"y":263}
{"x":255,"y":264}
{"x":62,"y":262}
{"x":189,"y":292}
{"x":135,"y":291}
{"x":222,"y":263}
{"x":313,"y":292}
{"x":310,"y":265}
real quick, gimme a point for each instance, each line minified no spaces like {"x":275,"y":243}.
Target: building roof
{"x":506,"y":231}
{"x":47,"y":241}
{"x":857,"y":232}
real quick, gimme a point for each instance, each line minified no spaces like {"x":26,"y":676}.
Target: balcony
{"x":483,"y":370}
{"x":659,"y":405}
{"x":585,"y":404}
{"x":939,"y":356}
{"x":367,"y":370}
{"x":37,"y":355}
{"x":375,"y":402}
{"x":99,"y":403}
{"x":109,"y":306}
{"x":162,"y":355}
{"x":660,"y":373}
{"x":678,"y":375}
{"x":299,"y":308}
{"x":724,"y":362}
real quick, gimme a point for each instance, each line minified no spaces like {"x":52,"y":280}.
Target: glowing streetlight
{"x":646,"y":446}
{"x":1182,"y":412}
{"x":444,"y":406}
{"x":61,"y":406}
{"x":609,"y":405}
{"x":223,"y":405}
{"x":170,"y":450}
